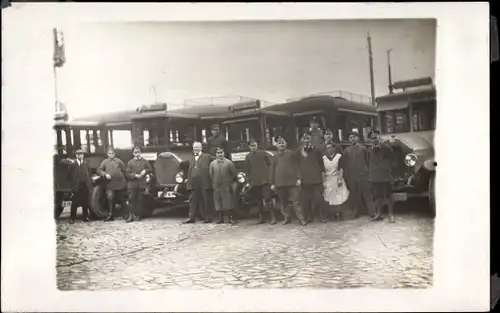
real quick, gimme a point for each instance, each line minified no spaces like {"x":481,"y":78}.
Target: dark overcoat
{"x":198,"y":173}
{"x":257,"y":165}
{"x":382,"y":163}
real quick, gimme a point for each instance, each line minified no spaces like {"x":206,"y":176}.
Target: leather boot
{"x":221,"y":218}
{"x":110,"y":213}
{"x":273,"y":215}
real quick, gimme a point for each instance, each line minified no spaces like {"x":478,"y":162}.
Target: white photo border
{"x":461,"y":240}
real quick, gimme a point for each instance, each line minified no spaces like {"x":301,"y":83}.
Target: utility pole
{"x":55,"y":89}
{"x":391,"y":88}
{"x":153,"y":88}
{"x":370,"y":55}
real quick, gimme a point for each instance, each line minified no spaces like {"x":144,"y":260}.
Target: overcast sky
{"x":111,"y":66}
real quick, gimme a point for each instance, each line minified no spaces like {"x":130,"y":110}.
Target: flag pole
{"x":55,"y":89}
{"x":370,"y":59}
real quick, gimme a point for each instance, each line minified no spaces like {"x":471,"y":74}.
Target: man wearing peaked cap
{"x":81,"y":185}
{"x":356,"y":169}
{"x":316,"y":133}
{"x":217,"y":140}
{"x":258,"y":164}
{"x":137,"y":169}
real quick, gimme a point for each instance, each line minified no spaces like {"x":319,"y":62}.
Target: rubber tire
{"x":432,"y":194}
{"x":97,"y":206}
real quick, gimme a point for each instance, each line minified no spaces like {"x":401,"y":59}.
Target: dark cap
{"x":353,"y":133}
{"x":306,"y":133}
{"x":279,"y":137}
{"x":79,"y":151}
{"x":327,"y":130}
{"x":373,"y":133}
{"x":219,"y":148}
{"x":216,"y":125}
{"x":314,"y":119}
{"x":252,"y":140}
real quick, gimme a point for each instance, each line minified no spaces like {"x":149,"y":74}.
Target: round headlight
{"x":411,"y":159}
{"x":242,"y":177}
{"x":179,"y":178}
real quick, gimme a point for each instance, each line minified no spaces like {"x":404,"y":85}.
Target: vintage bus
{"x":251,"y":119}
{"x":408,"y":122}
{"x":93,"y":135}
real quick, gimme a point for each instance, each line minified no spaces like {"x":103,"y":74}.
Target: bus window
{"x":91,"y":141}
{"x":424,"y":116}
{"x":181,"y":135}
{"x":122,"y":139}
{"x":99,"y":140}
{"x":204,"y":136}
{"x":83,"y":141}
{"x":145,"y":136}
{"x":400,"y":122}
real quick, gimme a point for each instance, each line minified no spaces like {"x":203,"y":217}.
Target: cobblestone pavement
{"x":159,"y":252}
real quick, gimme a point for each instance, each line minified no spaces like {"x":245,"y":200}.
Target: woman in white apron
{"x":335,"y":191}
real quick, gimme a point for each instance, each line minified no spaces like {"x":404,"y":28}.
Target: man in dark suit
{"x":79,"y":177}
{"x":199,"y":184}
{"x":137,"y":169}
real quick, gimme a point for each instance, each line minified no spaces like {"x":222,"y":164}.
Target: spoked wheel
{"x":432,"y":194}
{"x":58,"y":206}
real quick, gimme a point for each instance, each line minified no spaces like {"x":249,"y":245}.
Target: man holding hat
{"x":81,"y":185}
{"x":382,"y":163}
{"x":285,"y":179}
{"x":258,"y":164}
{"x":217,"y":140}
{"x":355,"y":163}
{"x":137,"y":169}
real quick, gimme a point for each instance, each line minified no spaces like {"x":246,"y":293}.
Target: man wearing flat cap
{"x":81,"y":185}
{"x":382,"y":165}
{"x":355,"y":163}
{"x":217,"y":140}
{"x":258,"y":164}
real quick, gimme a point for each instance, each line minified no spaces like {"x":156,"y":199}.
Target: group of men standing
{"x":297,"y":176}
{"x":118,"y":178}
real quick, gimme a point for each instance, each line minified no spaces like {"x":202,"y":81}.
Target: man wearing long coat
{"x":382,"y":163}
{"x":223,"y":176}
{"x":355,"y":163}
{"x":81,"y":185}
{"x":114,"y":171}
{"x":199,"y":184}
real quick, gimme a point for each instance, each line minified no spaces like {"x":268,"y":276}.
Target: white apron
{"x":334,"y":195}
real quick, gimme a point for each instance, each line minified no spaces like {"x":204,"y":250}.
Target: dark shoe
{"x":273,"y":216}
{"x":232,"y":221}
{"x":207,"y":221}
{"x":72,"y":221}
{"x":130,"y":218}
{"x":273,"y":221}
{"x":376,"y":218}
{"x":86,"y":220}
{"x":392,"y":219}
{"x":137,"y":218}
{"x":189,"y":221}
{"x":286,"y":221}
{"x":303,"y":222}
{"x":109,"y":218}
{"x":260,"y":220}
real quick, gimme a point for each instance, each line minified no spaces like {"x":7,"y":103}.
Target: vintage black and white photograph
{"x":281,"y":157}
{"x":272,"y":154}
